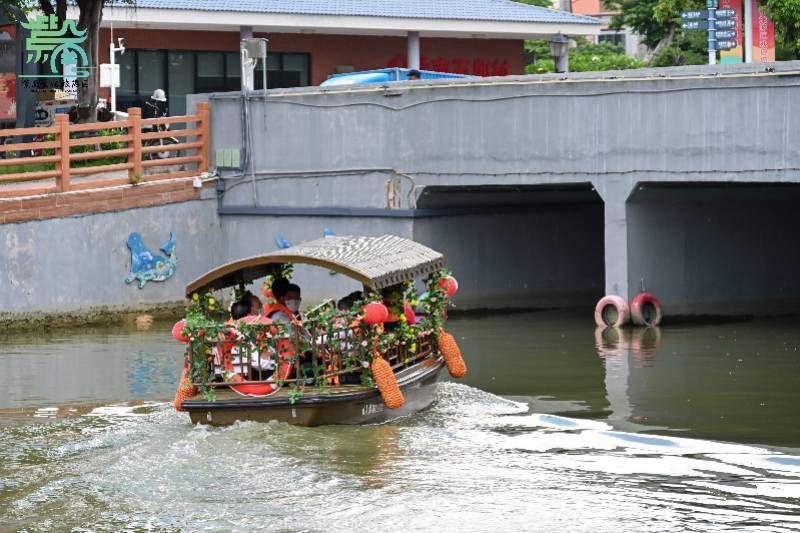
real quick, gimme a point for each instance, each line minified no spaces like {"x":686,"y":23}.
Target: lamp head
{"x":558,"y":45}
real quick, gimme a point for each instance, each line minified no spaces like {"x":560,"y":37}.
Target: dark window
{"x":284,"y":70}
{"x":181,"y":72}
{"x":617,"y":39}
{"x":180,"y":80}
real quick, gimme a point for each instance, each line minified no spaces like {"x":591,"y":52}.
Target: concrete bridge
{"x":542,"y":191}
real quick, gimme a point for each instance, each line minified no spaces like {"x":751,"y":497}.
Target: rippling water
{"x":557,"y":428}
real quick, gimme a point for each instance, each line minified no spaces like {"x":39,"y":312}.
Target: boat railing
{"x":319,"y":355}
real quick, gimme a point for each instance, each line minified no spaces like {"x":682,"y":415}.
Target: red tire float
{"x":265,"y":388}
{"x":611,"y":310}
{"x":646,"y":310}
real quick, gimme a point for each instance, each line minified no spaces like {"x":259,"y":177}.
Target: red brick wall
{"x":98,"y":201}
{"x":327,"y":51}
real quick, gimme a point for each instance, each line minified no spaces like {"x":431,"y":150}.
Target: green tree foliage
{"x":688,"y":48}
{"x":658,"y":22}
{"x":540,"y":3}
{"x":786,"y":16}
{"x":585,"y":57}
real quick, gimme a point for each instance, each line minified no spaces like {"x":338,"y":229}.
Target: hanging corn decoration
{"x":452,"y":355}
{"x":387,"y":383}
{"x":186,"y":389}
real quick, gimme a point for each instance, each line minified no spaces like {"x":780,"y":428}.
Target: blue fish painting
{"x":147,"y":266}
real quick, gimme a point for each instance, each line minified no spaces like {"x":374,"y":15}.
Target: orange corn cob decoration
{"x":452,"y":355}
{"x":186,"y":389}
{"x":387,"y":383}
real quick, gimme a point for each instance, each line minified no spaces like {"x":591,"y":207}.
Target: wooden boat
{"x":394,"y":356}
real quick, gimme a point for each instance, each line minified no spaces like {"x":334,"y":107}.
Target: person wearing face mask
{"x":286,"y":309}
{"x":287,"y":306}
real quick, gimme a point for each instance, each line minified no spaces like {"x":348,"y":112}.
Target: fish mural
{"x":147,"y":266}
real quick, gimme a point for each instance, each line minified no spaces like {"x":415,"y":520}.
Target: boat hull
{"x":364,"y":406}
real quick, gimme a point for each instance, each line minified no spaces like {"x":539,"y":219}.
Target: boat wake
{"x":472,"y":462}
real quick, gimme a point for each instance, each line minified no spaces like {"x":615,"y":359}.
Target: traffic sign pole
{"x":720,"y":25}
{"x":712,"y":34}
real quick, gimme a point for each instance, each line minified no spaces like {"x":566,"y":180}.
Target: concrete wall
{"x":705,"y":248}
{"x":541,"y":256}
{"x":79,"y":264}
{"x":535,"y":129}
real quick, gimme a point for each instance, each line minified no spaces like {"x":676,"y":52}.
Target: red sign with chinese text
{"x":477,"y":66}
{"x":763,"y":36}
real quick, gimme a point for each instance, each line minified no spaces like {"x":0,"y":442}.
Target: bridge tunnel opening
{"x":716,"y":249}
{"x":520,"y":247}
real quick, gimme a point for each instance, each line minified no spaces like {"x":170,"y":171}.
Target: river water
{"x":557,"y":427}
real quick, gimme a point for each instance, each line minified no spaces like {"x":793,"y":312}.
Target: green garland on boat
{"x":205,"y":326}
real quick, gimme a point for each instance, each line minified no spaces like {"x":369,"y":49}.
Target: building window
{"x":284,"y":70}
{"x":615,"y":38}
{"x":181,"y":72}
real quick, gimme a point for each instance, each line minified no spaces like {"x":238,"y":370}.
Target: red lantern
{"x":411,"y":317}
{"x":450,"y":285}
{"x":257,"y":319}
{"x":375,"y":313}
{"x":177,"y":331}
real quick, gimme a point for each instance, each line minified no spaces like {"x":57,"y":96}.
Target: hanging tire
{"x":612,"y":311}
{"x":646,"y":310}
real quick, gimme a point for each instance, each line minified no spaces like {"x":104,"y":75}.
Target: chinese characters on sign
{"x":58,"y":46}
{"x":763,"y":36}
{"x":43,"y":84}
{"x":476,"y":66}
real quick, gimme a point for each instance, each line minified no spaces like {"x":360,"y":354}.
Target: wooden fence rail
{"x":67,"y":150}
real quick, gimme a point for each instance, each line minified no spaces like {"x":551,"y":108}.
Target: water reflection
{"x":735,"y":381}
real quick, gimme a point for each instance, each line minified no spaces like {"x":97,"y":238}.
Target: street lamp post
{"x":559,"y":45}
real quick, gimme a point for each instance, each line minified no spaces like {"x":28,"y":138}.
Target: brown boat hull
{"x":361,"y":406}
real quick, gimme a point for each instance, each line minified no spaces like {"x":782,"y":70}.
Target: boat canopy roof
{"x":377,"y":262}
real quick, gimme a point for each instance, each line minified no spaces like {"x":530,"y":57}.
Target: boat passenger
{"x":261,"y":364}
{"x":287,"y":306}
{"x":286,"y":309}
{"x":346,"y":345}
{"x":256,"y":308}
{"x":346,"y":303}
{"x":239,"y":310}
